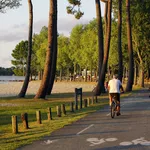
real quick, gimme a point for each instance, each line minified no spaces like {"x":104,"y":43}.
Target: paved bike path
{"x":98,"y":131}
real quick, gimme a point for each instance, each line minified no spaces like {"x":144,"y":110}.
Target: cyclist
{"x":114,"y":87}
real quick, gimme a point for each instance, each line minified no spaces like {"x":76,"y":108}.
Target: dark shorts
{"x":116,"y":95}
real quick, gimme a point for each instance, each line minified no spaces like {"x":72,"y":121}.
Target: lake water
{"x":4,"y":79}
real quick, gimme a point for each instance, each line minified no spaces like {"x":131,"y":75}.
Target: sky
{"x":14,"y":23}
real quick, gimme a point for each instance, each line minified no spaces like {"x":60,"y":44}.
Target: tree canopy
{"x":20,"y":57}
{"x":8,"y":4}
{"x":80,"y":49}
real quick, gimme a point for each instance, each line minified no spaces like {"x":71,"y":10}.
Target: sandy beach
{"x":13,"y":88}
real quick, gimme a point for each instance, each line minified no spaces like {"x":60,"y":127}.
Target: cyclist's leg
{"x":110,"y":98}
{"x":118,"y":103}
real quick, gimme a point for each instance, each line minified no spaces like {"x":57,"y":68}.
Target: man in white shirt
{"x":114,"y":87}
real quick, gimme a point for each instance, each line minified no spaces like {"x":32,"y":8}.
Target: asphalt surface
{"x":98,"y":131}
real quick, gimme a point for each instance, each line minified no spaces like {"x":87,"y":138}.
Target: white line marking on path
{"x":49,"y":142}
{"x":85,"y":129}
{"x":96,"y":141}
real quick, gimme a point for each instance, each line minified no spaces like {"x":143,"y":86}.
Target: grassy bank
{"x":14,"y":106}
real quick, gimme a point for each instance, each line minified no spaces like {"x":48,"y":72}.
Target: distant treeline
{"x":6,"y":71}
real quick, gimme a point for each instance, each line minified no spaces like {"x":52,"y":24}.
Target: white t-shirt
{"x":114,"y":86}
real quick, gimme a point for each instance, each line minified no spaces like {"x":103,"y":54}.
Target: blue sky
{"x":14,"y":23}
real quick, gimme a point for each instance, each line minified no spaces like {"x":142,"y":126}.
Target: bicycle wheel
{"x":112,"y":108}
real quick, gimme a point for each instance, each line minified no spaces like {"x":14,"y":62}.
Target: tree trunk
{"x":60,"y":74}
{"x":75,"y":68}
{"x":100,"y":85}
{"x":106,"y":19}
{"x":100,"y":43}
{"x":91,"y":73}
{"x":95,"y":75}
{"x":148,"y":76}
{"x":120,"y":71}
{"x":141,"y":76}
{"x":31,"y":77}
{"x":109,"y":74}
{"x":100,"y":36}
{"x":135,"y":74}
{"x":48,"y":64}
{"x":39,"y":75}
{"x":130,"y":49}
{"x":126,"y":73}
{"x":54,"y":61}
{"x":123,"y":78}
{"x":28,"y":67}
{"x":85,"y":80}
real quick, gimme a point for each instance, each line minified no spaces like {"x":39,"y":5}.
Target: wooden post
{"x":88,"y":101}
{"x":58,"y":108}
{"x":85,"y":102}
{"x":92,"y":101}
{"x":96,"y":100}
{"x":24,"y":118}
{"x":76,"y":99}
{"x":38,"y":117}
{"x":49,"y":113}
{"x":71,"y":107}
{"x":63,"y":110}
{"x":80,"y":98}
{"x":14,"y":124}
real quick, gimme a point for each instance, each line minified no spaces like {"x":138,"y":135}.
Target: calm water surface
{"x":4,"y":79}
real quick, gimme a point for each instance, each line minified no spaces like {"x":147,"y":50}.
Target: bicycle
{"x":113,"y":107}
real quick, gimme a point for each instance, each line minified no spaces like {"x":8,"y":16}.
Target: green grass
{"x":16,"y":106}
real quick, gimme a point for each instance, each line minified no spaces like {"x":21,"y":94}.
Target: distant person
{"x":114,"y":87}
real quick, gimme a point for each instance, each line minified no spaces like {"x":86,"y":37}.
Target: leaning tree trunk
{"x":54,"y":61}
{"x":100,"y":42}
{"x":100,"y":36}
{"x":105,"y":17}
{"x":141,"y":75}
{"x":101,"y":81}
{"x":28,"y":66}
{"x":120,"y":71}
{"x":130,"y":50}
{"x":48,"y":64}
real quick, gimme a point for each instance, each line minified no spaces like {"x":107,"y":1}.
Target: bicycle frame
{"x":113,"y":107}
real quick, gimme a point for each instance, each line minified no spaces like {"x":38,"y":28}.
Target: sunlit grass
{"x":15,"y":106}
